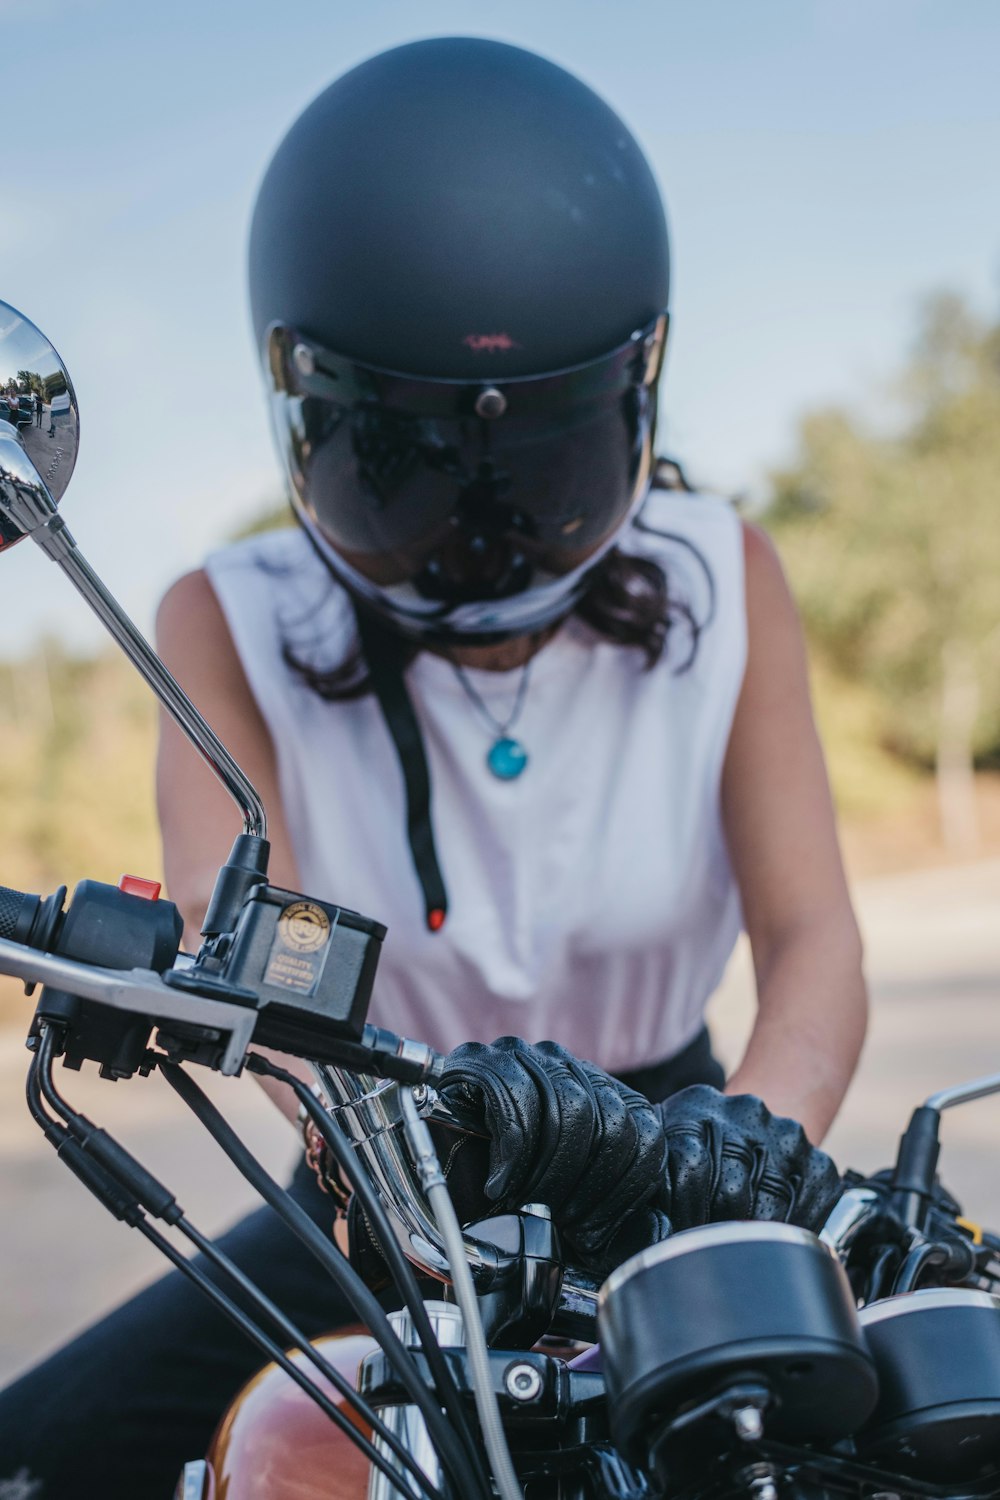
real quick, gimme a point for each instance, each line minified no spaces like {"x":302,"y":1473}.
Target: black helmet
{"x":459,"y":274}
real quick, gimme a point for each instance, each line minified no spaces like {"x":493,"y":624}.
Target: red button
{"x":134,"y":885}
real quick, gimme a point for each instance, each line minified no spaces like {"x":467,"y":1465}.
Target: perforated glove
{"x":728,"y":1157}
{"x":565,"y":1133}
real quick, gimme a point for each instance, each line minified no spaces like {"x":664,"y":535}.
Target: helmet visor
{"x":465,"y":509}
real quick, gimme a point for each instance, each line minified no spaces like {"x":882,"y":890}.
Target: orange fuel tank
{"x":274,"y":1443}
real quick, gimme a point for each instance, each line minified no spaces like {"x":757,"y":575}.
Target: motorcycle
{"x":736,"y":1359}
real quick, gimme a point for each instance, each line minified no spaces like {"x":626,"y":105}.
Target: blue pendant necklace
{"x":506,"y":757}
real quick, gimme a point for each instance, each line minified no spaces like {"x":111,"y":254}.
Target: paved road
{"x":934,"y":962}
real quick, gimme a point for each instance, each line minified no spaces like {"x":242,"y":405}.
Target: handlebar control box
{"x":311,"y":965}
{"x":110,"y":928}
{"x":304,"y":966}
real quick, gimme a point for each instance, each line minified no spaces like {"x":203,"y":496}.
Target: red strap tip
{"x":435,"y":918}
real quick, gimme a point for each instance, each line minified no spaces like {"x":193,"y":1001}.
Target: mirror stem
{"x":25,"y":500}
{"x":164,"y":685}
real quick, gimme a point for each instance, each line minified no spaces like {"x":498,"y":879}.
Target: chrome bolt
{"x":523,"y":1382}
{"x":491,"y":403}
{"x":304,"y":359}
{"x":749,"y":1424}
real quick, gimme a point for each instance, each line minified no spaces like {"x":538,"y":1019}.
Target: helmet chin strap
{"x":381,"y":649}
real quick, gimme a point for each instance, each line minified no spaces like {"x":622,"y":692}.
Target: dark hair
{"x":628,"y":601}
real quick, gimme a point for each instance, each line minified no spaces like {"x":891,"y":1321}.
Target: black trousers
{"x":115,"y":1414}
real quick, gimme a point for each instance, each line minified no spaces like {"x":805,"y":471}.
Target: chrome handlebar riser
{"x":369,"y":1112}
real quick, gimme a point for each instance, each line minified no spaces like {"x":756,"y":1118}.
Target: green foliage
{"x":29,"y":382}
{"x":869,"y":782}
{"x":893,"y":542}
{"x":78,"y":739}
{"x":81,"y":735}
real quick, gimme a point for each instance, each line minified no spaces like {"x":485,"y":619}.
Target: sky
{"x":825,"y":163}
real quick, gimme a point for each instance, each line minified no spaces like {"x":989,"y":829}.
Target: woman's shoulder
{"x":189,"y":612}
{"x":689,"y":516}
{"x":696,"y":538}
{"x":698,"y":519}
{"x":284,"y":550}
{"x":274,"y":585}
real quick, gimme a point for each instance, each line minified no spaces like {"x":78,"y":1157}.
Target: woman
{"x":558,"y":739}
{"x":551,"y":725}
{"x":442,"y":237}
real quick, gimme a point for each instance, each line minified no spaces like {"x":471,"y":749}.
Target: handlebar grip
{"x":18,"y":910}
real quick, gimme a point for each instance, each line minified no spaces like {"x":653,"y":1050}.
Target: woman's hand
{"x":617,"y":1172}
{"x":728,"y":1157}
{"x":564,"y":1133}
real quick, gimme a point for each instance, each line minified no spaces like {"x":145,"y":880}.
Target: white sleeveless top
{"x":591,"y":900}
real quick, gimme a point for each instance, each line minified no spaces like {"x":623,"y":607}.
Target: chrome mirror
{"x":38,"y":408}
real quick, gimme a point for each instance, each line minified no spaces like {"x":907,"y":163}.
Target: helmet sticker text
{"x":490,"y":341}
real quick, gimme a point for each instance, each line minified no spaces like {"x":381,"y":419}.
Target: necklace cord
{"x":500,"y":729}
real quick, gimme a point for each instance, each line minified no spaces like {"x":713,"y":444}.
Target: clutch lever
{"x":438,"y":1111}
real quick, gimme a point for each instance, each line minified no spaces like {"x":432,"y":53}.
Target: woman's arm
{"x":198,"y":819}
{"x":779,"y":820}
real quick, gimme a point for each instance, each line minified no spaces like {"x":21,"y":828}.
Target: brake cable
{"x":125,"y":1203}
{"x":432,"y":1179}
{"x":399,"y":1267}
{"x":468,"y":1479}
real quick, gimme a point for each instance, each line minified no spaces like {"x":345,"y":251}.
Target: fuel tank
{"x":274,"y":1443}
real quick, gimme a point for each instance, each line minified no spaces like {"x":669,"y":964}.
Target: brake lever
{"x":139,"y":992}
{"x":852,"y":1213}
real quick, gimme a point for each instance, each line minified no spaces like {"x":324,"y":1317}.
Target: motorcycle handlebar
{"x":369,"y":1112}
{"x":366,"y":1106}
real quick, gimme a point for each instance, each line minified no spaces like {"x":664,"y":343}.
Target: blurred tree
{"x":272,"y":517}
{"x":81,"y":732}
{"x":893,"y":547}
{"x":78,"y":736}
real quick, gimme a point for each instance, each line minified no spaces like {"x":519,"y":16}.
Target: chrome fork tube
{"x":848,"y":1217}
{"x":406,"y":1422}
{"x":368,"y":1111}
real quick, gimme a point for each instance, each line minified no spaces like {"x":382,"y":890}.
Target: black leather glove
{"x":617,"y":1172}
{"x":728,"y":1157}
{"x":565,"y":1133}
